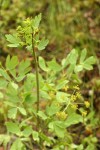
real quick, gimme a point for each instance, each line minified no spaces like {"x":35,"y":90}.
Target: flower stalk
{"x":37,"y":77}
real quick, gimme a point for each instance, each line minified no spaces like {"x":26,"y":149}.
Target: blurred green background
{"x":66,"y":23}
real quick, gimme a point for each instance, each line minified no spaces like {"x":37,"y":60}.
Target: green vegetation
{"x":48,"y":102}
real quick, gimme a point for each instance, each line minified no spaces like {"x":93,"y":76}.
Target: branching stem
{"x":37,"y":78}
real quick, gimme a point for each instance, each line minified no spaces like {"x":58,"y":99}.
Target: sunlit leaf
{"x":13,"y":128}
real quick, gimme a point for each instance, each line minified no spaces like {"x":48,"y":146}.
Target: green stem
{"x":37,"y":78}
{"x":1,"y":6}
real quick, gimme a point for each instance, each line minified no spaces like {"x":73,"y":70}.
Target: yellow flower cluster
{"x":27,"y":21}
{"x":87,"y":104}
{"x":52,"y":94}
{"x":73,"y":97}
{"x":78,"y":94}
{"x":76,"y":87}
{"x":74,"y":106}
{"x":65,"y":88}
{"x":61,"y":115}
{"x":84,"y":113}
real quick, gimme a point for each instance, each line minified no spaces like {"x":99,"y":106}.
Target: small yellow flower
{"x":84,"y":113}
{"x":74,"y":106}
{"x":76,"y":87}
{"x":27,"y":21}
{"x":87,"y":104}
{"x":73,"y":97}
{"x":51,"y":94}
{"x":65,"y":88}
{"x":61,"y":115}
{"x":64,"y":115}
{"x":78,"y":94}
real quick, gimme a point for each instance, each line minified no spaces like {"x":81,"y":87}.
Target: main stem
{"x":37,"y":78}
{"x":1,"y":6}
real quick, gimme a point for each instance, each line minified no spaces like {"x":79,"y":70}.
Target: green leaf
{"x":45,"y":138}
{"x":14,"y":85}
{"x":72,"y":56}
{"x":44,"y":94}
{"x":35,"y":136}
{"x":78,"y":68}
{"x":42,"y":44}
{"x":7,"y":61}
{"x":13,"y":128}
{"x":61,"y":84}
{"x":24,"y":67}
{"x":11,"y":90}
{"x":17,"y":145}
{"x":42,"y":64}
{"x":5,"y":74}
{"x":83,"y":55}
{"x":22,"y":111}
{"x":1,"y":95}
{"x":12,"y":113}
{"x":13,"y":72}
{"x":94,"y":140}
{"x":29,"y":48}
{"x":3,"y":83}
{"x":11,"y":63}
{"x":80,"y":147}
{"x":20,"y":78}
{"x":87,"y":64}
{"x":27,"y":131}
{"x":4,"y":139}
{"x":28,"y":84}
{"x":53,"y":65}
{"x":62,"y":97}
{"x":77,"y":147}
{"x":36,"y":21}
{"x":58,"y":127}
{"x":56,"y":148}
{"x":90,"y":60}
{"x":71,"y":69}
{"x":53,"y":109}
{"x":42,"y":115}
{"x":91,"y":147}
{"x":30,"y":99}
{"x":65,"y":62}
{"x":73,"y":119}
{"x":13,"y":39}
{"x":75,"y":77}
